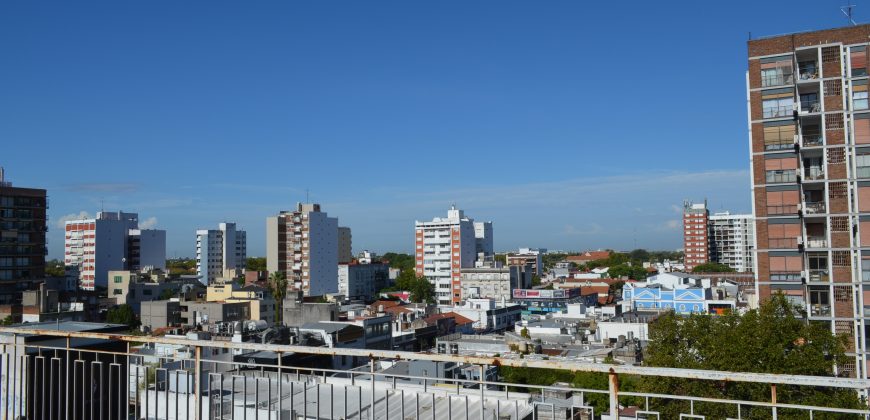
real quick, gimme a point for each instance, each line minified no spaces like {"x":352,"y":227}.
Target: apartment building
{"x":220,"y":252}
{"x":345,"y":245}
{"x":494,"y":282}
{"x":809,"y":125}
{"x":483,"y":238}
{"x":363,"y":280}
{"x":303,"y":244}
{"x":443,"y":247}
{"x":696,"y":241}
{"x":22,"y":238}
{"x":732,"y":240}
{"x":528,"y":256}
{"x":110,"y":241}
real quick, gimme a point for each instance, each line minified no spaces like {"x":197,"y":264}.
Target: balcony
{"x":819,"y":276}
{"x":813,"y":173}
{"x":810,"y":106}
{"x":817,"y":207}
{"x":198,"y":383}
{"x":817,"y":242}
{"x":820,"y":310}
{"x":808,"y":71}
{"x":811,"y":140}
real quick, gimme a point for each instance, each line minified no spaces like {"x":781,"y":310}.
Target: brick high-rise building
{"x":809,"y":124}
{"x":22,"y":239}
{"x":696,"y":242}
{"x":303,"y":244}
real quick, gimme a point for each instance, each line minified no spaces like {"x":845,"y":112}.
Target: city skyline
{"x":536,"y":136}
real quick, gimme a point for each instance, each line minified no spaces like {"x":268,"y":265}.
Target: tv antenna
{"x":847,"y":10}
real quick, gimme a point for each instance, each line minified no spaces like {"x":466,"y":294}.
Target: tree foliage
{"x":180,"y":266}
{"x":6,"y":321}
{"x":255,"y":264}
{"x":634,"y":272}
{"x":770,"y":339}
{"x":278,"y":287}
{"x":398,"y":260}
{"x":122,"y":314}
{"x":54,"y":268}
{"x":712,"y":267}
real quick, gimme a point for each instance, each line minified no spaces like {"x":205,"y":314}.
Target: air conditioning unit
{"x":800,"y":240}
{"x":800,"y":207}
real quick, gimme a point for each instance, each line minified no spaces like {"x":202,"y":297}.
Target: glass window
{"x":778,"y":107}
{"x":118,"y":279}
{"x":859,"y":100}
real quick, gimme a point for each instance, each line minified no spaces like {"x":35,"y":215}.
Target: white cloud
{"x":148,"y":223}
{"x":72,"y":216}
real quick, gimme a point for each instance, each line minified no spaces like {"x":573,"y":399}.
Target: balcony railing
{"x":819,"y":275}
{"x":814,"y":173}
{"x":810,"y":140}
{"x":817,"y":242}
{"x":810,"y":107}
{"x":814,"y":207}
{"x":820,"y":310}
{"x":782,"y":144}
{"x":863,"y":172}
{"x":93,"y":375}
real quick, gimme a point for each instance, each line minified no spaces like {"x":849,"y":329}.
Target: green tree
{"x":615,"y":288}
{"x":54,"y":268}
{"x":536,"y":280}
{"x":525,"y":333}
{"x":770,"y":339}
{"x":398,"y":260}
{"x":502,"y":258}
{"x":639,"y":255}
{"x":278,"y":288}
{"x":634,"y":272}
{"x":181,"y":266}
{"x":122,"y":314}
{"x":712,"y":267}
{"x":255,"y":264}
{"x":167,"y":294}
{"x":422,"y":290}
{"x":6,"y":321}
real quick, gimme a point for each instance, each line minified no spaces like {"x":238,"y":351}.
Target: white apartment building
{"x":495,"y":283}
{"x":731,"y":238}
{"x":303,"y":244}
{"x":483,"y":238}
{"x":363,"y":280}
{"x":110,"y":241}
{"x":443,"y":247}
{"x":219,"y":250}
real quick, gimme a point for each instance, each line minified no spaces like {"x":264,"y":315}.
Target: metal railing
{"x":814,"y":172}
{"x":814,"y":207}
{"x":819,"y":275}
{"x":810,"y":140}
{"x":57,"y":374}
{"x":817,"y":242}
{"x":780,"y":176}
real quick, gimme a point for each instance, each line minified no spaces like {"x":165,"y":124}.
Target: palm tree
{"x":278,"y":286}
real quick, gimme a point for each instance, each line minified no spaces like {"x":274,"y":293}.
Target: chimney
{"x":3,"y":182}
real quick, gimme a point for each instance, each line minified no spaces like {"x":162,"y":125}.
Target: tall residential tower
{"x":22,"y":238}
{"x":303,"y":244}
{"x":809,"y":126}
{"x":220,"y":252}
{"x":444,"y":246}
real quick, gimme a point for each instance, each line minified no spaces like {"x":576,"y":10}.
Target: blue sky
{"x":570,"y":125}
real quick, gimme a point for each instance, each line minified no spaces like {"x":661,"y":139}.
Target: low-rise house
{"x":488,"y":315}
{"x":299,"y":310}
{"x":134,"y":287}
{"x":158,"y":314}
{"x":261,"y":302}
{"x":545,"y":301}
